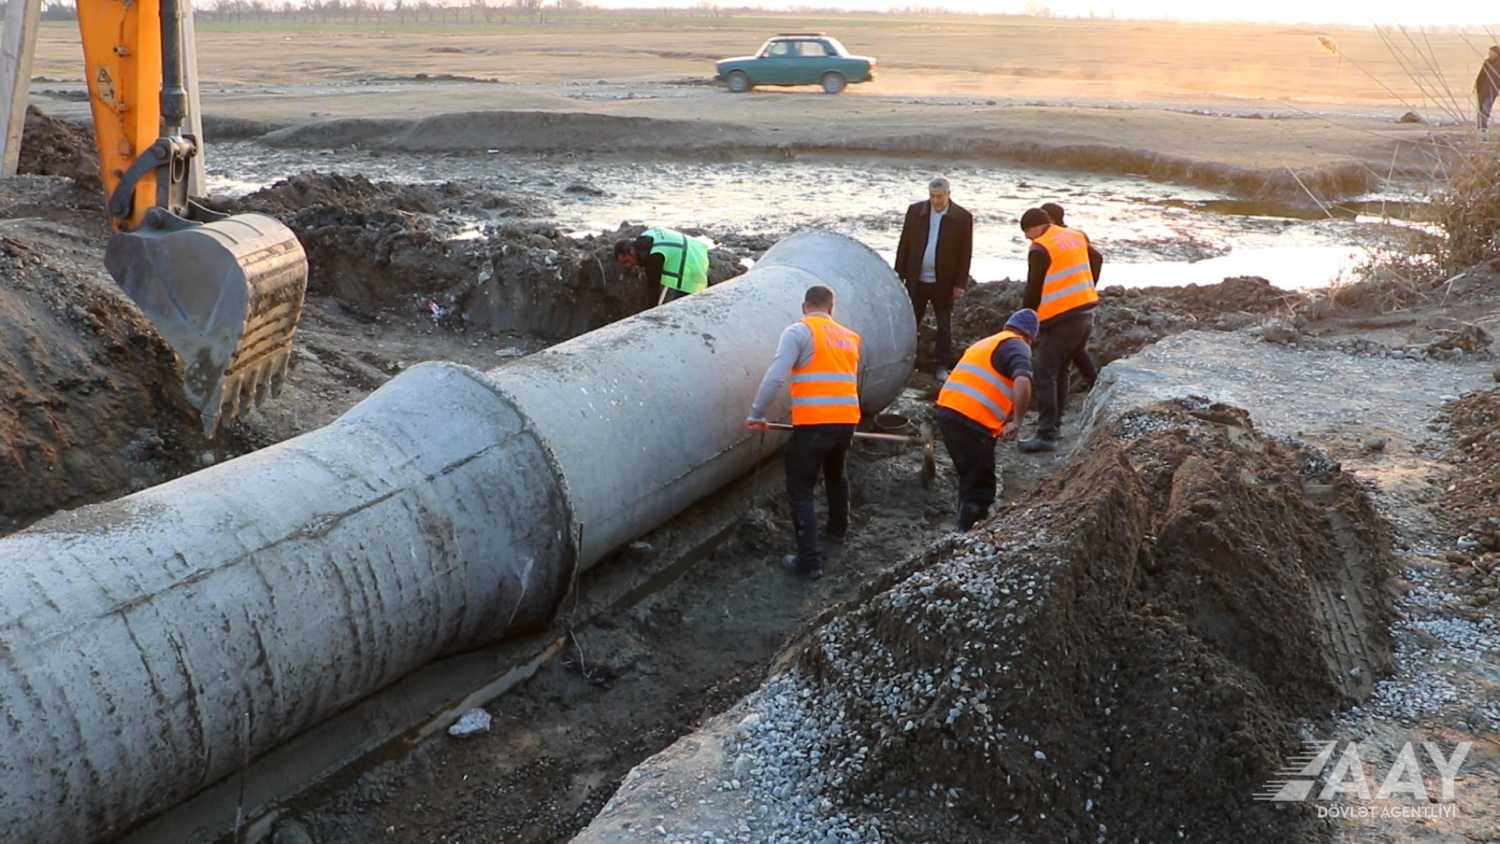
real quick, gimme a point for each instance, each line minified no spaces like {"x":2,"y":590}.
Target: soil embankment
{"x":90,"y":406}
{"x":1061,"y":139}
{"x":52,"y":147}
{"x":89,"y":400}
{"x":377,"y":245}
{"x":1211,"y":585}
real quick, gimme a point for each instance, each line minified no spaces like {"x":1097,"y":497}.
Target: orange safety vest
{"x":1070,"y":279}
{"x":826,"y":390}
{"x":976,"y":390}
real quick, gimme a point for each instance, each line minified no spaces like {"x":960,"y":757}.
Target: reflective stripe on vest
{"x":826,"y":390}
{"x":976,"y":390}
{"x":684,"y":259}
{"x":1070,"y":279}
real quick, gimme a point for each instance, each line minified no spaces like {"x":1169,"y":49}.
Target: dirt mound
{"x":468,"y":258}
{"x":1471,"y":505}
{"x":90,"y":407}
{"x":510,"y":131}
{"x":1128,"y":318}
{"x":311,"y":196}
{"x":1137,"y":636}
{"x":52,"y":147}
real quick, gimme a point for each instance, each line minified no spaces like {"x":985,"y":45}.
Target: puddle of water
{"x":1151,"y":234}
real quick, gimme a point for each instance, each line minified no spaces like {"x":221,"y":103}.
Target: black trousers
{"x":1085,"y":365}
{"x":1063,"y":339}
{"x":942,"y":307}
{"x":972,"y":450}
{"x":816,"y":449}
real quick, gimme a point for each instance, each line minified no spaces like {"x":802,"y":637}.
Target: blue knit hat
{"x":1025,"y":321}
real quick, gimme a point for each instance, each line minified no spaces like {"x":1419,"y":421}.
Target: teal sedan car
{"x":797,"y":58}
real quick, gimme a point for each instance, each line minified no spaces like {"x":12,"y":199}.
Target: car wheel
{"x":739,"y":82}
{"x":833,"y":83}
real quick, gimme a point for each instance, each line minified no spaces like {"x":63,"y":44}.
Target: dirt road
{"x":1169,"y":101}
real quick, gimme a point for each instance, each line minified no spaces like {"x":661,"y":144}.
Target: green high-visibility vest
{"x":684,"y":259}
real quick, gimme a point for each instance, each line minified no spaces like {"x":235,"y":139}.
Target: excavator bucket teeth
{"x":226,"y":296}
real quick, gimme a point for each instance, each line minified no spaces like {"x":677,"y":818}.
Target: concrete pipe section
{"x":152,"y":645}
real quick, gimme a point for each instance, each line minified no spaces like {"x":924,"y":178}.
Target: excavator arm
{"x":225,"y":292}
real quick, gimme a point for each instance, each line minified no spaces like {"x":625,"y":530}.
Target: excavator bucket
{"x":226,"y":296}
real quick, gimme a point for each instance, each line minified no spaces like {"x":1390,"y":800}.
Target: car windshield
{"x":779,"y":49}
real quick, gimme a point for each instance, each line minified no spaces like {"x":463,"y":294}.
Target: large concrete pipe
{"x":151,"y":645}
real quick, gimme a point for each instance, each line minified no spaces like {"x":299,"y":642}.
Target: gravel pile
{"x":1059,"y":684}
{"x":1434,"y":647}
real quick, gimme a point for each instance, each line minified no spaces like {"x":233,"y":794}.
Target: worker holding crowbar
{"x":820,"y":359}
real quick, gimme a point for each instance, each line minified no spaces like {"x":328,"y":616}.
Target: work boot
{"x":970,"y":515}
{"x":1038,"y":443}
{"x":793,"y":565}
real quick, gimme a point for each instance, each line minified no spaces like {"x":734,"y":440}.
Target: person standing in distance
{"x":1487,"y":86}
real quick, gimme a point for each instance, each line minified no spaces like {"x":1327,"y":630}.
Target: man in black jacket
{"x":1487,"y":85}
{"x":937,"y":244}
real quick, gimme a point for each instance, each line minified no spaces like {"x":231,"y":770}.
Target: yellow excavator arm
{"x":122,"y":61}
{"x":226,"y":292}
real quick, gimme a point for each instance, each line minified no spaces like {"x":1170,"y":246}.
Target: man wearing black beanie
{"x":1061,"y":268}
{"x":1081,"y":361}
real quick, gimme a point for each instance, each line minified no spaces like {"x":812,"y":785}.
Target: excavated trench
{"x":1213,"y":583}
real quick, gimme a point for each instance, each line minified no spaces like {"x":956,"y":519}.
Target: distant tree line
{"x":54,"y":10}
{"x":356,"y":11}
{"x":432,"y":11}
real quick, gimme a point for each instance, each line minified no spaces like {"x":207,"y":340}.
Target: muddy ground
{"x":400,"y":276}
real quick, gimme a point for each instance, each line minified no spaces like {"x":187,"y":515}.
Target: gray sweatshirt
{"x":794,"y":350}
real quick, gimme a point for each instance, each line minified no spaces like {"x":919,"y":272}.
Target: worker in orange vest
{"x":983,"y":401}
{"x":820,"y":358}
{"x":1081,"y":360}
{"x":1061,"y":268}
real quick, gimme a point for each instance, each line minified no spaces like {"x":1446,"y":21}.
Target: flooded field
{"x":1152,"y":233}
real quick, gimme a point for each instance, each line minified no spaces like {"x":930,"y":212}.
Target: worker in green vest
{"x":672,"y":259}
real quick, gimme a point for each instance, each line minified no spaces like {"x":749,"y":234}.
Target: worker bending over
{"x":1061,"y":267}
{"x":670,"y":258}
{"x":984,"y":398}
{"x":821,"y":360}
{"x":1081,"y":361}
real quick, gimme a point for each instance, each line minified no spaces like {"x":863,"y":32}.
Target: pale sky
{"x":1360,"y":12}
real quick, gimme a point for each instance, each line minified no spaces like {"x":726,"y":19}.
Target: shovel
{"x":929,"y":448}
